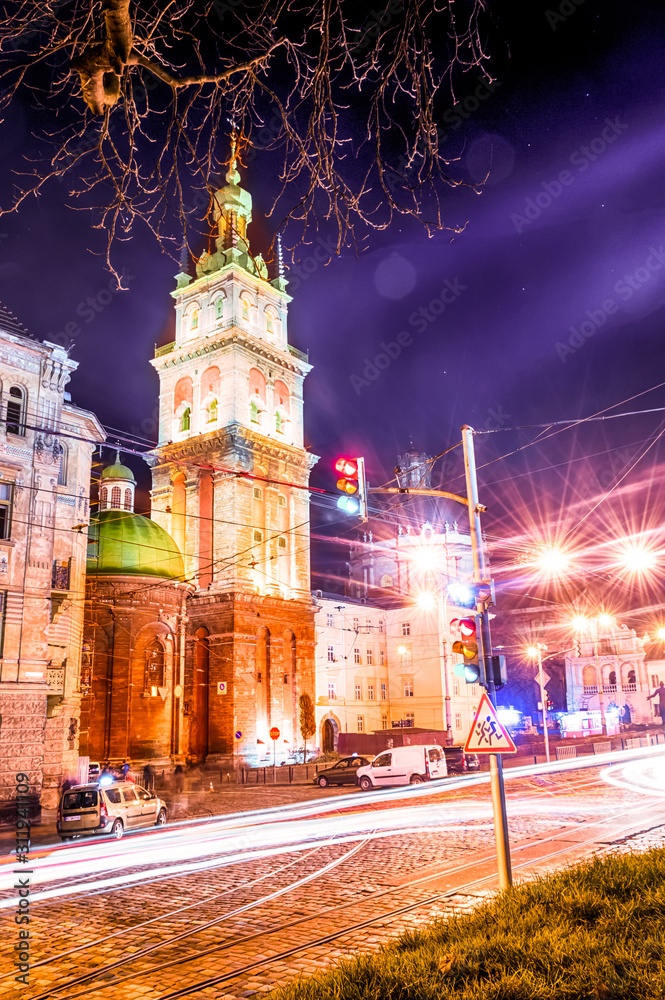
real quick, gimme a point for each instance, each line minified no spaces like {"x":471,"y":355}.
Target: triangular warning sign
{"x":487,"y":734}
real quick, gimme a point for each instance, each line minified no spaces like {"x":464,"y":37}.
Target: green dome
{"x":126,"y":544}
{"x":118,"y":471}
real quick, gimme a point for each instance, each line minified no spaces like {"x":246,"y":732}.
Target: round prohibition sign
{"x":274,"y":733}
{"x":238,"y":734}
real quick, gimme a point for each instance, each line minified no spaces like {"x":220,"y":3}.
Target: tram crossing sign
{"x":487,"y":735}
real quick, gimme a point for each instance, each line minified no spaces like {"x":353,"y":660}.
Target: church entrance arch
{"x":329,"y":734}
{"x":198,"y":732}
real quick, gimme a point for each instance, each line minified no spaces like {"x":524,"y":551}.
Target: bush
{"x":593,"y":932}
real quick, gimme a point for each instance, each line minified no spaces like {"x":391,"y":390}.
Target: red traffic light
{"x":347,"y":467}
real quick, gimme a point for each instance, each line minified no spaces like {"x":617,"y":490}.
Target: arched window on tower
{"x":278,"y":422}
{"x":185,"y":419}
{"x":154,"y":668}
{"x":16,"y":411}
{"x":254,"y":412}
{"x":212,"y":411}
{"x":245,"y":309}
{"x":62,"y":471}
{"x":270,"y":322}
{"x":128,"y":499}
{"x":219,"y":308}
{"x":116,"y":497}
{"x":103,"y":499}
{"x":194,"y":325}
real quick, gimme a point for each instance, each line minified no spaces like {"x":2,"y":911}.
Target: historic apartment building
{"x":46,"y":447}
{"x":231,"y":401}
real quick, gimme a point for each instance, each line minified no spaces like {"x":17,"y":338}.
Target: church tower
{"x":230,"y":477}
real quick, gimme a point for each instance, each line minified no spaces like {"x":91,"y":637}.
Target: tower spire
{"x":232,"y":174}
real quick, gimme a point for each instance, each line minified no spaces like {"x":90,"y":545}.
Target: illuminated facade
{"x":231,"y":401}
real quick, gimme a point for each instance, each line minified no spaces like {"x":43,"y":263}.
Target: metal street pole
{"x":443,"y":637}
{"x":485,"y":651}
{"x":542,"y":701}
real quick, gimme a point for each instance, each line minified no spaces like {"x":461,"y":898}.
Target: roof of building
{"x":10,"y":323}
{"x":655,"y":650}
{"x":124,"y":544}
{"x":118,"y":471}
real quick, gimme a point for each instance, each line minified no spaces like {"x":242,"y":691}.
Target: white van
{"x":404,"y":766}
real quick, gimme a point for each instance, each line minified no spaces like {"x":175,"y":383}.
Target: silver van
{"x":107,"y":808}
{"x":409,"y":765}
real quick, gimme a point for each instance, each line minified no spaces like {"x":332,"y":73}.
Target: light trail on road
{"x":638,"y":776}
{"x":101,"y":866}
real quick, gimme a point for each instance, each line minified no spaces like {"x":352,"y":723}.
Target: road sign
{"x":487,"y":734}
{"x":238,"y":734}
{"x":274,"y":733}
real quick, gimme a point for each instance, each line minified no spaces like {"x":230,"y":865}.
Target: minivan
{"x":409,"y":765}
{"x":113,"y":808}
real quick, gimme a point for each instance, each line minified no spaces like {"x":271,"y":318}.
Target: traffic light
{"x":498,"y":671}
{"x":353,"y":486}
{"x":467,"y":647}
{"x":468,"y":594}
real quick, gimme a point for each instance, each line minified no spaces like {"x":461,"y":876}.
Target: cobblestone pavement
{"x":343,"y":896}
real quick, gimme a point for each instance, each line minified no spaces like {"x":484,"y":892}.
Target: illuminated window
{"x":370,"y":692}
{"x":270,"y":325}
{"x":358,"y":692}
{"x":281,"y":500}
{"x":384,"y":693}
{"x":361,"y":724}
{"x":331,"y":654}
{"x":195,"y":320}
{"x":332,"y":691}
{"x":212,"y":411}
{"x":245,"y":309}
{"x":408,"y":689}
{"x":258,"y":495}
{"x":356,"y":655}
{"x":281,"y":543}
{"x":185,"y":419}
{"x":154,"y":667}
{"x":16,"y":411}
{"x":254,"y":412}
{"x":219,"y":308}
{"x":258,"y":536}
{"x":384,"y":721}
{"x":116,"y":498}
{"x":6,"y":498}
{"x":278,"y":422}
{"x":409,"y":719}
{"x":370,"y":657}
{"x":406,"y":628}
{"x":458,"y":720}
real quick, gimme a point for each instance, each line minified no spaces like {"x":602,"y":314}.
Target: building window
{"x":128,"y":499}
{"x":458,"y":720}
{"x":358,"y":692}
{"x":195,"y":320}
{"x":281,"y":542}
{"x":361,"y":724}
{"x":245,"y":309}
{"x":384,"y":693}
{"x":370,"y":657}
{"x":473,"y":690}
{"x":370,"y":692}
{"x":254,"y":412}
{"x":270,"y":325}
{"x":330,"y":620}
{"x":258,"y":495}
{"x":278,"y":422}
{"x":405,"y":655}
{"x":6,"y":498}
{"x":60,"y":574}
{"x":331,"y":654}
{"x":356,"y":655}
{"x":382,"y":626}
{"x":219,"y":308}
{"x":408,"y":689}
{"x":103,"y":495}
{"x":655,"y":680}
{"x":382,"y":657}
{"x":154,"y":667}
{"x":62,"y":471}
{"x":185,"y":419}
{"x":606,"y":647}
{"x":116,"y":497}
{"x":16,"y":411}
{"x":406,"y":628}
{"x":456,"y":690}
{"x":409,"y":719}
{"x":384,"y":721}
{"x":258,"y":536}
{"x":332,"y":691}
{"x":212,"y":411}
{"x":368,"y":626}
{"x":281,"y":500}
{"x":3,"y":608}
{"x":356,"y":624}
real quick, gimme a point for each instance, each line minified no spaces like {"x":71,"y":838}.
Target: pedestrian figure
{"x":148,"y":777}
{"x":125,"y":769}
{"x":179,"y":778}
{"x":660,"y":694}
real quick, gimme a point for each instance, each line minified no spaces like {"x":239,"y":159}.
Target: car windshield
{"x":83,"y":799}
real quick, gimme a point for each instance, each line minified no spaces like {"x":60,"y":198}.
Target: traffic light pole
{"x":480,"y":576}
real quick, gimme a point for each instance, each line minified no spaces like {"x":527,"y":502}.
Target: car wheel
{"x":416,"y":779}
{"x":366,"y":783}
{"x":161,"y":818}
{"x":62,"y":837}
{"x":323,"y":782}
{"x":117,"y":829}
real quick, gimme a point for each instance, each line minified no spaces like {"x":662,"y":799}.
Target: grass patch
{"x":593,"y":932}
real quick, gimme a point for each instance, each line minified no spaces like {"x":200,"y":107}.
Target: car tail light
{"x":427,"y":765}
{"x":103,"y":813}
{"x":464,"y":764}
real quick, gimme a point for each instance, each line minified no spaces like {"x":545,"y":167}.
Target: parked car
{"x":344,"y":772}
{"x":94,"y":770}
{"x":459,"y":762}
{"x":409,"y":765}
{"x":107,"y":807}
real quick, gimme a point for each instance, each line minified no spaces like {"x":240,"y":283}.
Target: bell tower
{"x":230,"y":477}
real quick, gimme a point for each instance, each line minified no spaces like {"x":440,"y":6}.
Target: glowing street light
{"x":580,"y":623}
{"x":661,"y":634}
{"x":427,"y":600}
{"x":553,"y":560}
{"x":637,"y":559}
{"x":605,"y":620}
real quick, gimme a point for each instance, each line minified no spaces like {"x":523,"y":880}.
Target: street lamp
{"x":535,"y":652}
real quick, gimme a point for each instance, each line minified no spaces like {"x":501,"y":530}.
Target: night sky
{"x":549,"y":306}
